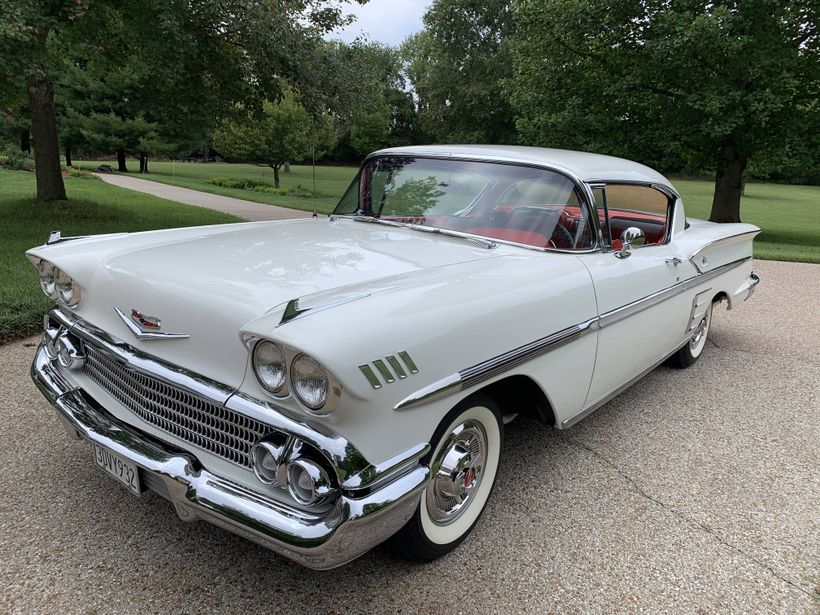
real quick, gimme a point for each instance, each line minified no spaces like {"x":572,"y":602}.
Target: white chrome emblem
{"x":146,"y":327}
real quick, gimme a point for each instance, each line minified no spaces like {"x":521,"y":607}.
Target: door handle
{"x":674,"y":261}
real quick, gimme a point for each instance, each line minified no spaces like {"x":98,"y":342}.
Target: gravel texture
{"x":695,"y":491}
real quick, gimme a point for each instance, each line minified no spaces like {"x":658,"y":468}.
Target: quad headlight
{"x":310,"y":381}
{"x":270,"y":365}
{"x":283,"y":371}
{"x":58,"y":285}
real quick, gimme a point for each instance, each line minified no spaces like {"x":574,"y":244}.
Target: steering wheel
{"x":565,"y":232}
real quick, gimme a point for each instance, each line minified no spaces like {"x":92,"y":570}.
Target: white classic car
{"x":321,"y":385}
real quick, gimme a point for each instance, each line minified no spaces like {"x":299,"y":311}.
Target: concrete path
{"x":695,"y":491}
{"x":248,"y":210}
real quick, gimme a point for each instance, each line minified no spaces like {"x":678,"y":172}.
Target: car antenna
{"x":313,"y":167}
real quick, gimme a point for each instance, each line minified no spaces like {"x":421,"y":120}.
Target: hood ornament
{"x":146,"y":327}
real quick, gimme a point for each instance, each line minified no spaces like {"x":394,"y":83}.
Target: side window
{"x":640,"y":206}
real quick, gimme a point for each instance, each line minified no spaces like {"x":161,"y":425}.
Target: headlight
{"x":269,"y":365}
{"x":68,"y":291}
{"x":310,"y":381}
{"x":48,"y":283}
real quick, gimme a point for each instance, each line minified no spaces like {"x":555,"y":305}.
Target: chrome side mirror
{"x":633,"y":237}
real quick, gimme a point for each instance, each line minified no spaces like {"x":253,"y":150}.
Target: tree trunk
{"x":143,"y":163}
{"x":276,"y":176}
{"x":25,"y":141}
{"x":728,"y":184}
{"x":40,"y":90}
{"x":287,"y":166}
{"x":121,"y":161}
{"x":68,"y":155}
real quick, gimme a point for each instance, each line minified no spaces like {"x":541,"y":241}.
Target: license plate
{"x":121,"y":469}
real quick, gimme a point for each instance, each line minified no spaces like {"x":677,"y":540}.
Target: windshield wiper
{"x":484,"y":243}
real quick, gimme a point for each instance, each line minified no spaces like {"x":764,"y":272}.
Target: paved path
{"x":695,"y":491}
{"x":248,"y":210}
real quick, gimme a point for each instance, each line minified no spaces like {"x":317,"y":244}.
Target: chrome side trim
{"x":481,"y":372}
{"x":724,"y":240}
{"x":145,"y":335}
{"x":644,"y":303}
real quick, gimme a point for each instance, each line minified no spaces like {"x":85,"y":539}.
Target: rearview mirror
{"x":633,"y":237}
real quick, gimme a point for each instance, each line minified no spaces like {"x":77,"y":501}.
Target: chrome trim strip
{"x":639,"y":305}
{"x":143,"y":335}
{"x":481,"y":372}
{"x":294,"y":312}
{"x":730,"y":239}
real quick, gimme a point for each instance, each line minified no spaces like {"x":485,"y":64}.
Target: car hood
{"x":208,"y":282}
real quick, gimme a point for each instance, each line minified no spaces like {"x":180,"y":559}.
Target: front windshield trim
{"x":581,"y":186}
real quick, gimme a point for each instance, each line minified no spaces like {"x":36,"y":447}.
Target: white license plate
{"x":121,"y":469}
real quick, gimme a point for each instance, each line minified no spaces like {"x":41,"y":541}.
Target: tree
{"x":281,"y":132}
{"x":239,"y":48}
{"x":709,"y":84}
{"x":458,"y":65}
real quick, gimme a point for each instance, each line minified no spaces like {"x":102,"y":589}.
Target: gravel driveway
{"x":694,"y":491}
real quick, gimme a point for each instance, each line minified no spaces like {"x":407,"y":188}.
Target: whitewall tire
{"x":691,"y":352}
{"x":464,"y":463}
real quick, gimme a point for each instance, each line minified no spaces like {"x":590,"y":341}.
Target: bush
{"x":80,"y":173}
{"x":259,"y":186}
{"x":12,"y":158}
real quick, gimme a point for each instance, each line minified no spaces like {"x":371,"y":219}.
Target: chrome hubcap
{"x":699,"y":338}
{"x":457,"y":472}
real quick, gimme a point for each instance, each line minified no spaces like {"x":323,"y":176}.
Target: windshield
{"x":526,"y":205}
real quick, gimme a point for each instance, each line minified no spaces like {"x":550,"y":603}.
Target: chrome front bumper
{"x":354,"y":526}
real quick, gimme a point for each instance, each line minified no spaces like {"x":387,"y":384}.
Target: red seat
{"x":529,"y":238}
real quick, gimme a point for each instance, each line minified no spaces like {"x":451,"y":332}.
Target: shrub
{"x":12,"y":158}
{"x":80,"y":173}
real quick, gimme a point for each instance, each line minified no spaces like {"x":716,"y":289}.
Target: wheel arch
{"x":520,"y":394}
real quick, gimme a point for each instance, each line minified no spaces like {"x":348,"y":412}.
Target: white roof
{"x":585,"y":166}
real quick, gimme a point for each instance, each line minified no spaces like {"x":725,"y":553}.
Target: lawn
{"x":788,"y":215}
{"x":331,"y":181}
{"x":95,"y":207}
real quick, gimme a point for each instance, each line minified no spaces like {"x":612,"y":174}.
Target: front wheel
{"x":463,"y":468}
{"x":691,"y":352}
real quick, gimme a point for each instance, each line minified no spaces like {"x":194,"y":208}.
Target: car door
{"x":639,"y":323}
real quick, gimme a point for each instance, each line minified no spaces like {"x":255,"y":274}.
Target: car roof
{"x":585,"y":166}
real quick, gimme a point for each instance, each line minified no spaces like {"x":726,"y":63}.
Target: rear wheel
{"x":691,"y":352}
{"x":463,"y":467}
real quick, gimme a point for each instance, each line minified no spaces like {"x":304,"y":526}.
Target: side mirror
{"x":633,"y":237}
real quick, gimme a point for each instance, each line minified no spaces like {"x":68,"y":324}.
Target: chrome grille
{"x":202,"y":423}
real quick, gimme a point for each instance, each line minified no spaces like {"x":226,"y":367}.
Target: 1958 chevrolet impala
{"x":321,"y":385}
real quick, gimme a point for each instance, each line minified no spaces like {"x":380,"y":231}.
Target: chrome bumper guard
{"x":354,"y":526}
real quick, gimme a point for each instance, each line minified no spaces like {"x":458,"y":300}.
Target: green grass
{"x":95,"y":207}
{"x":788,"y":215}
{"x":331,"y":181}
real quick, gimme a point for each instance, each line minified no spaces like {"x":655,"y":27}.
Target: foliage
{"x":261,"y":186}
{"x":282,"y":132}
{"x":457,"y":66}
{"x":12,"y":158}
{"x":705,"y":85}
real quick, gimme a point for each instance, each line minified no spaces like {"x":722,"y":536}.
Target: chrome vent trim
{"x":186,"y":416}
{"x":390,"y":368}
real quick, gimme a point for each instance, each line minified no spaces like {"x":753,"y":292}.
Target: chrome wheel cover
{"x":457,"y":472}
{"x":698,"y":340}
